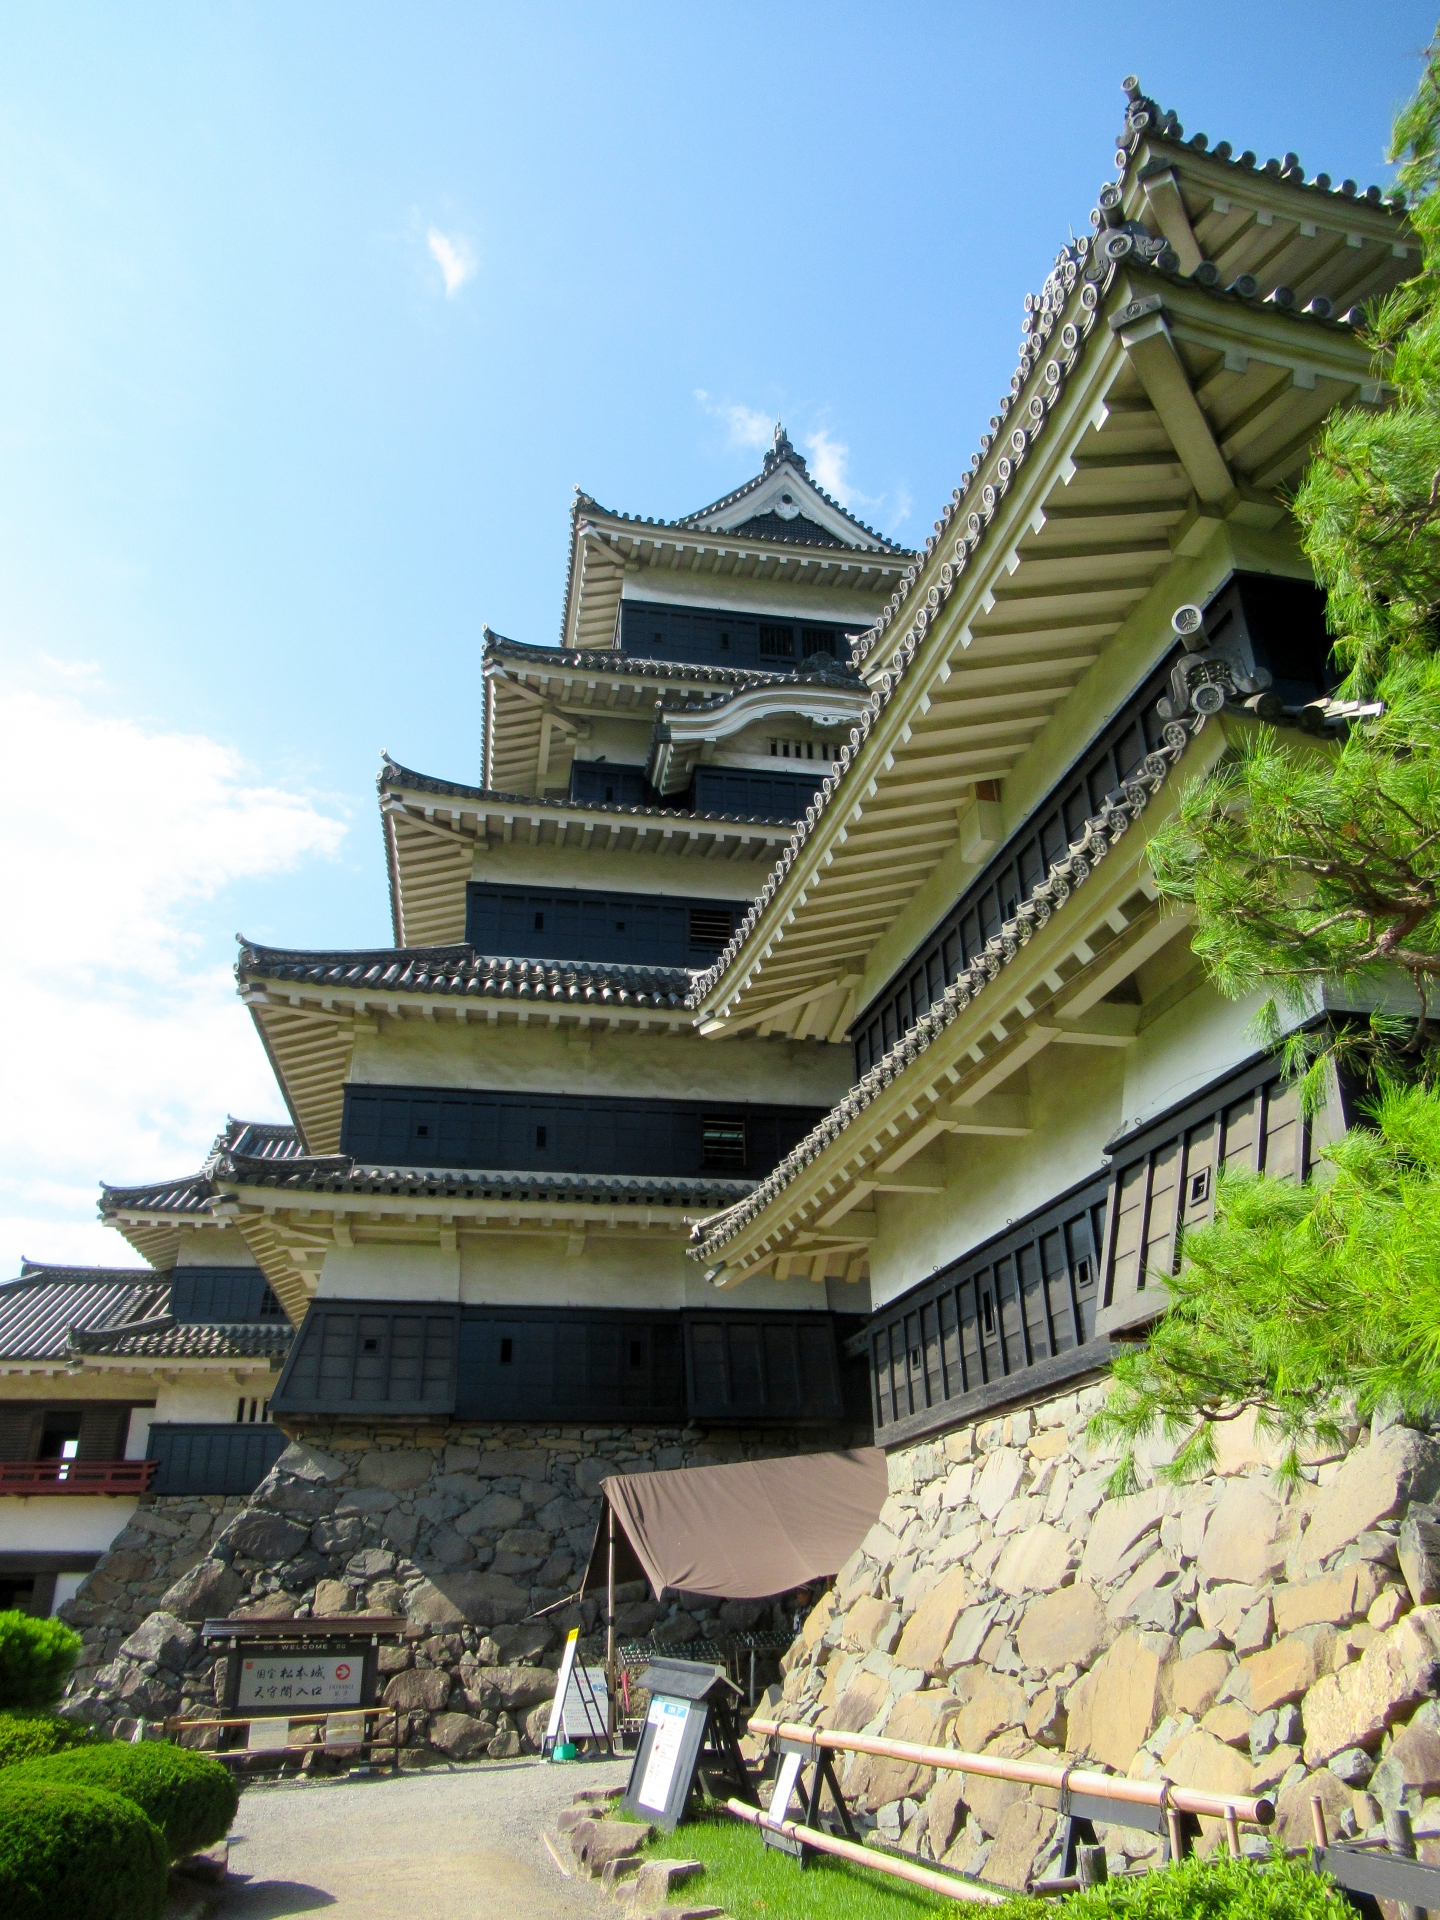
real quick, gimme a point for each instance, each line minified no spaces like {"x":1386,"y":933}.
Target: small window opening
{"x":637,"y":1353}
{"x":370,"y":1346}
{"x":1200,"y":1187}
{"x":609,"y":793}
{"x":1084,"y":1273}
{"x":270,"y":1307}
{"x":722,"y":1145}
{"x":725,"y":641}
{"x":539,"y":1136}
{"x":539,"y":923}
{"x":709,"y":926}
{"x":422,"y":1131}
{"x":987,"y":1310}
{"x":915,"y":1359}
{"x":619,"y":926}
{"x":507,"y":1352}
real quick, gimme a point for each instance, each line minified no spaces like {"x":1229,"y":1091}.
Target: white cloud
{"x":829,"y":460}
{"x":124,"y":1046}
{"x":454,"y":257}
{"x":745,"y":426}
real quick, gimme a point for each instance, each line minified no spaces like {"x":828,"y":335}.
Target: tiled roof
{"x":1091,"y":265}
{"x":393,"y":774}
{"x":169,"y":1339}
{"x":460,"y":970}
{"x":38,"y":1310}
{"x":338,"y":1173}
{"x":611,"y":660}
{"x":1101,"y":833}
{"x":193,"y":1192}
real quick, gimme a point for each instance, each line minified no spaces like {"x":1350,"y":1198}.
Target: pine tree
{"x":1313,"y":870}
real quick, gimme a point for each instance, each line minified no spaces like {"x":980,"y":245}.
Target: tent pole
{"x":610,"y":1624}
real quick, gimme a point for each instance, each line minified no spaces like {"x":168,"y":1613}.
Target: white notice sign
{"x":300,"y":1681}
{"x":668,"y":1718}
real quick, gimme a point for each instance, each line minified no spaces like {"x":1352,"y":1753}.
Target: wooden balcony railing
{"x":75,"y":1476}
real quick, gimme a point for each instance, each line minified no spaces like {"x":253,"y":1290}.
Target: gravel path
{"x":435,"y":1845}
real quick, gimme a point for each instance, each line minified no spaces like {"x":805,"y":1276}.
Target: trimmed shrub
{"x":189,"y":1796}
{"x":32,"y":1736}
{"x":35,"y":1661}
{"x":71,"y":1853}
{"x":1219,"y":1888}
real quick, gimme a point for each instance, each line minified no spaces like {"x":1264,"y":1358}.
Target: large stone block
{"x":1117,"y":1525}
{"x":424,"y":1689}
{"x":995,"y":1703}
{"x":264,"y":1536}
{"x":1420,"y":1556}
{"x":928,"y":1630}
{"x":207,"y":1592}
{"x":309,"y":1463}
{"x":990,"y":1800}
{"x":163,"y":1638}
{"x":460,"y":1735}
{"x":1334,"y":1599}
{"x":1201,"y":1760}
{"x":1373,"y":1484}
{"x":1247,"y":1536}
{"x":514,"y":1463}
{"x":1194,"y":1683}
{"x":1411,"y":1769}
{"x":998,"y":1479}
{"x":865,"y":1623}
{"x":1033,"y":1561}
{"x":969,"y":1635}
{"x":923,"y":1720}
{"x":1353,"y":1707}
{"x":945,"y":1811}
{"x":450,"y":1599}
{"x":1062,"y":1629}
{"x":1022,"y":1836}
{"x":859,"y":1704}
{"x":398,"y":1471}
{"x":1285,"y":1671}
{"x":1114,"y":1706}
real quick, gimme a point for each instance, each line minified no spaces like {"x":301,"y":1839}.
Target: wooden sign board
{"x":688,"y":1726}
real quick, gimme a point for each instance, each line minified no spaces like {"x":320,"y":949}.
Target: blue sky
{"x":314,"y":316}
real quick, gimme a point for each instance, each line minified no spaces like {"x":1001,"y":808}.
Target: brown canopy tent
{"x":743,"y":1532}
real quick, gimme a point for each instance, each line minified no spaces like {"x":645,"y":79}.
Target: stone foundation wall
{"x":467,"y":1531}
{"x":1228,"y":1634}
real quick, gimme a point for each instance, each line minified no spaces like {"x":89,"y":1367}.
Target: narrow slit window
{"x":987,"y":1311}
{"x":507,"y":1352}
{"x":709,"y":926}
{"x":1084,"y":1274}
{"x":540,"y":1137}
{"x":722,"y":1145}
{"x":540,"y":918}
{"x":637,"y":1353}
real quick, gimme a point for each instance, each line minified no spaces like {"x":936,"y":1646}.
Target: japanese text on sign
{"x":288,"y":1681}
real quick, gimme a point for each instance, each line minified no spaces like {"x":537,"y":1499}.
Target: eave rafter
{"x":1187,"y":408}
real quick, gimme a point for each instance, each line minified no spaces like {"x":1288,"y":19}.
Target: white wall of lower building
{"x":62,"y":1522}
{"x":203,"y":1398}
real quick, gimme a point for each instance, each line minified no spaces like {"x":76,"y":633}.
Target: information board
{"x":299,"y":1682}
{"x":667,"y":1720}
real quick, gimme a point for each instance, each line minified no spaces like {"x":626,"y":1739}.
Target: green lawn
{"x":749,"y":1879}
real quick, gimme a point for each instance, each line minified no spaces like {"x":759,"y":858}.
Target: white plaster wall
{"x":520,"y":866}
{"x":1199,"y":1038}
{"x":527,"y":1270}
{"x":62,"y":1522}
{"x":626,"y":742}
{"x":206,"y":1398}
{"x":536,"y":1058}
{"x":1075,"y":1099}
{"x":213,"y":1247}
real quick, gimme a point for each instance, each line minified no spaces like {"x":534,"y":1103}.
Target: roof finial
{"x":782,"y":450}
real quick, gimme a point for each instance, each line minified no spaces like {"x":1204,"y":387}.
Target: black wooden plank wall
{"x":574,"y":923}
{"x":720,"y":639}
{"x":212,"y":1458}
{"x":231,"y":1296}
{"x":752,"y":792}
{"x":535,"y":1132}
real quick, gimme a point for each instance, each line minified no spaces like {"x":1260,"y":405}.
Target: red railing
{"x":76,"y":1476}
